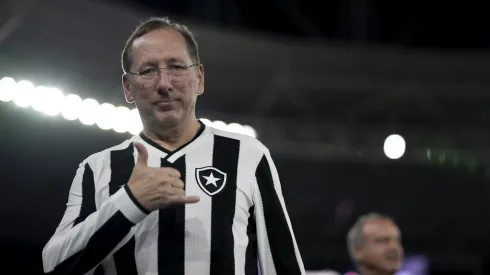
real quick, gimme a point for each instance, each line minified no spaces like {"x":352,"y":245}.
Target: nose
{"x":164,"y":81}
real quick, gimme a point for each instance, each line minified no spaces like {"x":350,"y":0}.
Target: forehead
{"x":161,"y":45}
{"x":380,"y":227}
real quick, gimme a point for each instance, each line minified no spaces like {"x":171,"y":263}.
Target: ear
{"x":200,"y":75}
{"x":127,"y":87}
{"x":358,"y":254}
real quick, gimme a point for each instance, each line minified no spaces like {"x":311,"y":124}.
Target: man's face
{"x":170,"y":96}
{"x":382,"y":248}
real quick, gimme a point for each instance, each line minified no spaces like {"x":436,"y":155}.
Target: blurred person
{"x":181,"y":197}
{"x":374,"y":244}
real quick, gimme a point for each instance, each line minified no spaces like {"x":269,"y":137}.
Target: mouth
{"x":165,"y":105}
{"x":393,"y":258}
{"x":165,"y":102}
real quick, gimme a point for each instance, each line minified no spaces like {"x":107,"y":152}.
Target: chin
{"x":394,"y":267}
{"x":168,"y":118}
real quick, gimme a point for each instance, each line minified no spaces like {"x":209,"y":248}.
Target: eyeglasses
{"x":176,"y":72}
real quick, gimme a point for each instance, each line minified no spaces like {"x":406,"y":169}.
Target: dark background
{"x":344,"y":74}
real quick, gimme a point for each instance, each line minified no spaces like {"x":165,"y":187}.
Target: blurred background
{"x":322,"y":84}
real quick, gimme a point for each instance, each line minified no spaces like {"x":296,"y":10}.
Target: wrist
{"x":135,"y":201}
{"x":131,"y":210}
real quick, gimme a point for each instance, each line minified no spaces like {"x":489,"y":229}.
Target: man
{"x":180,"y":198}
{"x":374,"y":245}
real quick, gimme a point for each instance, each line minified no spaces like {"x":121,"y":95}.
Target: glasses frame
{"x":163,"y":68}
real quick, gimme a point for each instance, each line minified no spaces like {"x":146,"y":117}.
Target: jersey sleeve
{"x":278,"y":250}
{"x":86,"y":235}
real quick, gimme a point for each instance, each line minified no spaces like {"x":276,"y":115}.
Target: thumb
{"x":142,"y":154}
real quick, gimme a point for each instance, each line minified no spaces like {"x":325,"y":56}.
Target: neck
{"x":173,"y":136}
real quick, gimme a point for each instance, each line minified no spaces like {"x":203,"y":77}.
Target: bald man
{"x":374,"y":244}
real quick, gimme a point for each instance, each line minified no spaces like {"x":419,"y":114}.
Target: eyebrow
{"x":148,"y":63}
{"x":153,"y":63}
{"x":174,"y":60}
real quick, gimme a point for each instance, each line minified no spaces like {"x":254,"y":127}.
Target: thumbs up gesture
{"x":156,"y":188}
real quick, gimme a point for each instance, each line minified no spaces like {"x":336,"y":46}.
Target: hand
{"x":156,"y":188}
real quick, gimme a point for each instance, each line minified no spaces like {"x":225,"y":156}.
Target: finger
{"x":142,"y":155}
{"x":188,"y":199}
{"x":178,"y":193}
{"x":171,"y":172}
{"x":177,"y":184}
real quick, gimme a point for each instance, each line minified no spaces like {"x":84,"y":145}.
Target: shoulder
{"x":102,"y":158}
{"x":248,"y":145}
{"x":245,"y":140}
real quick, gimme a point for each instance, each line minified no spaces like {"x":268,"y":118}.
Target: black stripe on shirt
{"x":99,"y":270}
{"x":98,"y":247}
{"x":88,"y":201}
{"x":88,"y":195}
{"x":225,"y":159}
{"x":171,"y":230}
{"x":279,"y":235}
{"x":251,"y":267}
{"x":122,"y":164}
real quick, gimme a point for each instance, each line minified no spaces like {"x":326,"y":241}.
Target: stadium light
{"x":394,"y":146}
{"x":52,"y":102}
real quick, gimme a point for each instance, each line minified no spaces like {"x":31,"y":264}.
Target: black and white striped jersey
{"x":240,"y":222}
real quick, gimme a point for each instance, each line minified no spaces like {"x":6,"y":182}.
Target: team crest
{"x":211,"y":180}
